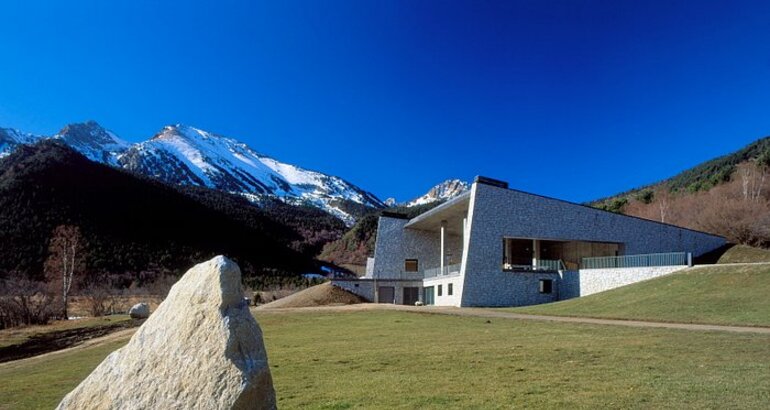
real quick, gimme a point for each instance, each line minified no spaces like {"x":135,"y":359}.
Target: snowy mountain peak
{"x":183,"y":155}
{"x":92,"y":140}
{"x":441,"y":192}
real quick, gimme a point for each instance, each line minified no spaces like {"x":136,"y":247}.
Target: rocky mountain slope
{"x":184,"y":155}
{"x":441,"y":192}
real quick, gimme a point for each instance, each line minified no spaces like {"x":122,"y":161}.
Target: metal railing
{"x":544,"y":265}
{"x":636,"y":261}
{"x":446,"y":271}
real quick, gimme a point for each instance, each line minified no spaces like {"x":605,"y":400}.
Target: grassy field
{"x":388,"y":359}
{"x":725,"y":295}
{"x":19,"y":335}
{"x":40,"y":383}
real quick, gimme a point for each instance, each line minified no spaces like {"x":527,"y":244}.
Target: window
{"x":355,"y":285}
{"x":410,"y":265}
{"x":546,"y":285}
{"x":449,"y":289}
{"x":439,"y":290}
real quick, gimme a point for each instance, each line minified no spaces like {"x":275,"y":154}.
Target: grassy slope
{"x":19,"y":335}
{"x":744,"y":254}
{"x":732,"y":295}
{"x":407,"y":360}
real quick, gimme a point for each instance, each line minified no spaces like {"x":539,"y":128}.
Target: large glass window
{"x":517,"y":253}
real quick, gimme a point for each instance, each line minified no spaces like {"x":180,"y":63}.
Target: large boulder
{"x":201,"y":349}
{"x":139,"y":311}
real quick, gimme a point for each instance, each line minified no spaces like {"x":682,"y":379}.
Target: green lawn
{"x":389,"y":359}
{"x":41,"y":383}
{"x":727,"y":295}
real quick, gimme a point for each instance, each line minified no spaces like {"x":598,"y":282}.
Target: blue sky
{"x":573,"y":99}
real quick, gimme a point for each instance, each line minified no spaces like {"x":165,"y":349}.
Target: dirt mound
{"x":324,"y":294}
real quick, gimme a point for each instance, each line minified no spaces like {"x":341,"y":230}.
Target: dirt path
{"x":112,"y":337}
{"x":491,"y":313}
{"x":51,"y":341}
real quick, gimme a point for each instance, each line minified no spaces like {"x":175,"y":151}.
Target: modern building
{"x":495,"y":246}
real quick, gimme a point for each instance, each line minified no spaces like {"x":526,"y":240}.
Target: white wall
{"x":445,"y":299}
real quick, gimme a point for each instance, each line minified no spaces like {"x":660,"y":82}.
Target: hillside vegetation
{"x":718,"y":294}
{"x":315,"y":363}
{"x":727,"y":196}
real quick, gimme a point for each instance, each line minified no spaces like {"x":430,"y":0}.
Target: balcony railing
{"x":448,"y":270}
{"x":543,"y":265}
{"x":636,"y":261}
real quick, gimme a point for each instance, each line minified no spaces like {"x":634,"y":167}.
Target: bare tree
{"x":64,"y":260}
{"x":663,"y":198}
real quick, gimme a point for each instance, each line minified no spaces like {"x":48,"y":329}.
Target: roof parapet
{"x":490,"y":181}
{"x":396,"y":215}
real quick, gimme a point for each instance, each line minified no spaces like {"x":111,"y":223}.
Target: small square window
{"x":410,"y":265}
{"x":449,"y":289}
{"x":546,"y":285}
{"x":355,"y":285}
{"x":439,"y":290}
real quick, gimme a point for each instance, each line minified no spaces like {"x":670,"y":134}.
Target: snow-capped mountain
{"x":181,"y":154}
{"x":11,"y":138}
{"x":184,"y":155}
{"x":441,"y":192}
{"x":93,"y":141}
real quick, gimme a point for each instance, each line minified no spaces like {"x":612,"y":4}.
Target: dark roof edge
{"x":395,"y":215}
{"x":490,"y":181}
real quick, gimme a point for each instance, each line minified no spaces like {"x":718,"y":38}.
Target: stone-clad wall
{"x":508,"y":289}
{"x":497,"y":212}
{"x":590,"y":281}
{"x":394,"y":245}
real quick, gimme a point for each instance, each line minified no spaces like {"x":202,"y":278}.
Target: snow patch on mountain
{"x":441,"y":192}
{"x":93,"y":141}
{"x":11,"y":138}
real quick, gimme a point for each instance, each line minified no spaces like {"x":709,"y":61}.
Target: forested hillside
{"x":138,"y":226}
{"x":728,"y":196}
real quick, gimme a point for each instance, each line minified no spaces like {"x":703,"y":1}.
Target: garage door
{"x":411,"y":295}
{"x":387,"y":294}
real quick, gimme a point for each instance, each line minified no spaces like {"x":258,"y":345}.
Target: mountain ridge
{"x":184,"y":155}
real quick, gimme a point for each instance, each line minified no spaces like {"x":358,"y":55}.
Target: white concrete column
{"x":535,"y":252}
{"x":443,"y":246}
{"x":462,"y":250}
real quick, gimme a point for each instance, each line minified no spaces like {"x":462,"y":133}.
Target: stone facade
{"x":590,"y":281}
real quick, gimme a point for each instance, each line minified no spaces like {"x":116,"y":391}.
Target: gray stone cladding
{"x":496,"y":213}
{"x":590,"y":281}
{"x":395,"y":244}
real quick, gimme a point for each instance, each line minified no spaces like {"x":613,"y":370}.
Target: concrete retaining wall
{"x":598,"y":280}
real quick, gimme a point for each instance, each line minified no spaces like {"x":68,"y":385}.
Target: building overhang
{"x":452,"y":210}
